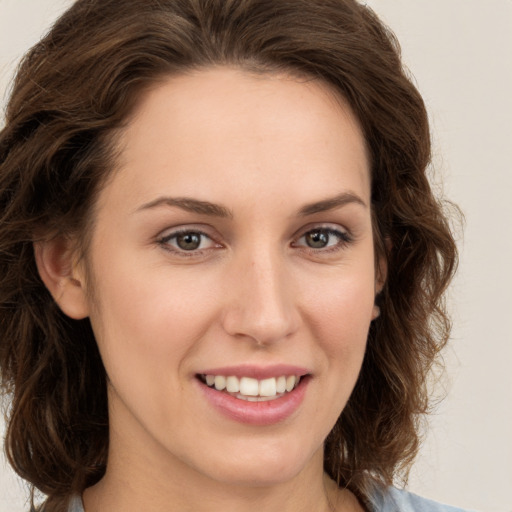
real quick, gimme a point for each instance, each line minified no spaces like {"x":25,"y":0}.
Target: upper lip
{"x":257,"y":372}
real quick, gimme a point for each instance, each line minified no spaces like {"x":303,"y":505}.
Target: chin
{"x":265,"y":466}
{"x":260,"y":476}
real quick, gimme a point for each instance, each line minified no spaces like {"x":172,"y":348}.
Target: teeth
{"x":281,"y":384}
{"x":267,"y":387}
{"x":232,"y":384}
{"x":249,"y":387}
{"x":290,"y":382}
{"x":253,"y":390}
{"x":220,"y":382}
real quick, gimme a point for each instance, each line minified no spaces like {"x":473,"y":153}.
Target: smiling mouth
{"x":250,"y":389}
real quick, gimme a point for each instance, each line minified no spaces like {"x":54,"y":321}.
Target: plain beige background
{"x":460,"y":52}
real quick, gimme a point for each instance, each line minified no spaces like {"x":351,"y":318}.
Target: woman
{"x":222,"y":265}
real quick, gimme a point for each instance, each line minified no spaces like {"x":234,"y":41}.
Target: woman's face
{"x":233,"y":246}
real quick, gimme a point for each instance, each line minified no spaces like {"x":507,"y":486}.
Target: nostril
{"x":263,"y":329}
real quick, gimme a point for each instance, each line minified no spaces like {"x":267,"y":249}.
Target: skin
{"x":263,"y":147}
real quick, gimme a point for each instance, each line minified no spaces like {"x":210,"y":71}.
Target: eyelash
{"x":165,"y":243}
{"x":343,"y":237}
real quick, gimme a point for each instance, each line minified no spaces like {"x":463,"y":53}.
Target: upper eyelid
{"x":164,"y":241}
{"x":175,"y":234}
{"x":321,"y":225}
{"x":171,"y":232}
{"x":343,"y":236}
{"x":327,"y":229}
{"x":205,"y":230}
{"x":177,"y":230}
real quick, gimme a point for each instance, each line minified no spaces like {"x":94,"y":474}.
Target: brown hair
{"x":78,"y":85}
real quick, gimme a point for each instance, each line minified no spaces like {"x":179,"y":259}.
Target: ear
{"x":381,"y":273}
{"x":64,"y":278}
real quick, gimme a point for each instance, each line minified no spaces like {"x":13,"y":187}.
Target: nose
{"x":261,"y":303}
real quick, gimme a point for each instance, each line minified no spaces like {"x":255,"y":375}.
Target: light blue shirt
{"x":395,"y":500}
{"x":392,"y":500}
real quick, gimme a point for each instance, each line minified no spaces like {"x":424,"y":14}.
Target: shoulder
{"x":75,"y":504}
{"x":395,"y":500}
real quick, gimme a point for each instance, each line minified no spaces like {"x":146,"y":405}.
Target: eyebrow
{"x":331,"y":203}
{"x":190,"y":205}
{"x":216,"y":210}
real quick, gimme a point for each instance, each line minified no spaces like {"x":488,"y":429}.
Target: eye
{"x":324,"y":239}
{"x":187,"y":241}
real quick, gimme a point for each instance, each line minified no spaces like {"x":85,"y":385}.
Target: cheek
{"x":339,"y":316}
{"x":147,"y":330}
{"x":147,"y":320}
{"x":340,"y":306}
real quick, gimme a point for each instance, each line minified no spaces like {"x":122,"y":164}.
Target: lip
{"x":256,"y":413}
{"x":257,"y":372}
{"x":269,"y":412}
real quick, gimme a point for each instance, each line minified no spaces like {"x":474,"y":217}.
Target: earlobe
{"x":55,"y":260}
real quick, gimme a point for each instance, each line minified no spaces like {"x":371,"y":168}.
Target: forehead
{"x":230,"y":127}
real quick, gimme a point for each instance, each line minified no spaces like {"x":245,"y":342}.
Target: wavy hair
{"x":77,"y":87}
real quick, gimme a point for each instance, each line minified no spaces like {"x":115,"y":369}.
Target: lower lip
{"x":268,"y":412}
